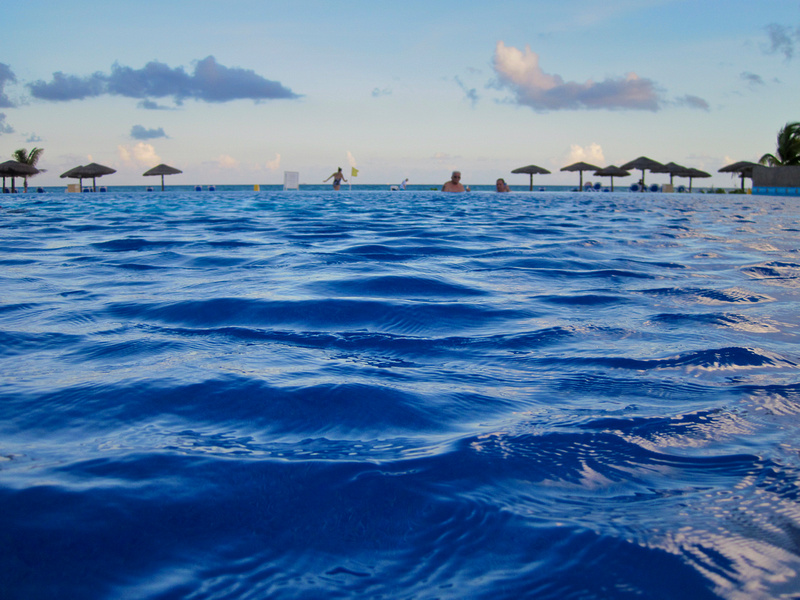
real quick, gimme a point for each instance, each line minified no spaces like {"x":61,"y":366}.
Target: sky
{"x":241,"y":91}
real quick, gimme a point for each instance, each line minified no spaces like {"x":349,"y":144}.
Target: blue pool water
{"x":240,"y":395}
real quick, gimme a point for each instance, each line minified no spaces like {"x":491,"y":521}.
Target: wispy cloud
{"x":6,"y":76}
{"x":5,"y":127}
{"x":585,"y":15}
{"x":150,"y":105}
{"x":520,"y":72}
{"x":378,"y":92}
{"x":139,"y":132}
{"x":209,"y":82}
{"x":690,"y":101}
{"x":752,"y":79}
{"x":782,"y":40}
{"x":471,"y":94}
{"x":33,"y":139}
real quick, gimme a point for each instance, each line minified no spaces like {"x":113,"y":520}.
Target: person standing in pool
{"x":338,"y":178}
{"x":501,"y":185}
{"x":454,"y":185}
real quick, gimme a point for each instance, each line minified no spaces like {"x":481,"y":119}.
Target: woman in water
{"x":338,"y":178}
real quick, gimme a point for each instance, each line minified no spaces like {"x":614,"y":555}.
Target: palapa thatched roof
{"x":162,"y":169}
{"x":13,"y":168}
{"x":580,"y":166}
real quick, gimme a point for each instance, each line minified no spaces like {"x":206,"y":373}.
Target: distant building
{"x":776,"y":181}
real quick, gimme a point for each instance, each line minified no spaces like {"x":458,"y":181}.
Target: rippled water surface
{"x":399,"y":395}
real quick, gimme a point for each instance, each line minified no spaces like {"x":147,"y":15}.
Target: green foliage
{"x":28,"y":158}
{"x":787,"y":152}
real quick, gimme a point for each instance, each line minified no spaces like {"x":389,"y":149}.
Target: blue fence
{"x":777,"y":191}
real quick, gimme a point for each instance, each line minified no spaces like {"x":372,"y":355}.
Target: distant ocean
{"x":248,"y":395}
{"x":155,"y":186}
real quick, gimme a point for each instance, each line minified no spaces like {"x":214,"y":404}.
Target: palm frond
{"x":34,"y":155}
{"x":29,"y":158}
{"x":20,"y":155}
{"x":787,"y":151}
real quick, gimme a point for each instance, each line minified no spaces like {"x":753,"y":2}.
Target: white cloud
{"x":274,"y":165}
{"x":592,"y":154}
{"x":520,"y":72}
{"x":227,"y":162}
{"x":351,"y":160}
{"x":141,"y":154}
{"x":146,"y":154}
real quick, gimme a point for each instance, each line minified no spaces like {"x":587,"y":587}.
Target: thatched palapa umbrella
{"x":671,"y":168}
{"x":612,"y":171}
{"x":162,"y":170}
{"x":12,"y":168}
{"x":642,"y":164}
{"x":74,"y":173}
{"x":743,"y":167}
{"x":692,"y":173}
{"x":532,"y":170}
{"x":581,"y":167}
{"x":92,"y":170}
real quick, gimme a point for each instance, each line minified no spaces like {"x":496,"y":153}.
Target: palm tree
{"x":28,"y":158}
{"x":788,"y":150}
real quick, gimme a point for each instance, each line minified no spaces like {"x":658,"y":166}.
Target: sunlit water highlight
{"x":399,"y":395}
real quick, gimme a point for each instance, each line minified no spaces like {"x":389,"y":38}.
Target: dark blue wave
{"x":732,"y":296}
{"x":21,"y":343}
{"x":712,"y":359}
{"x":395,"y":285}
{"x":134,"y":245}
{"x":356,"y":528}
{"x":587,"y":300}
{"x":323,"y":314}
